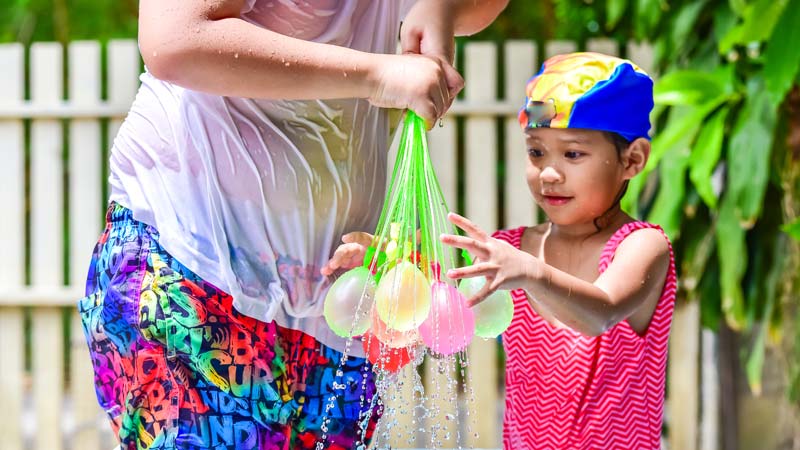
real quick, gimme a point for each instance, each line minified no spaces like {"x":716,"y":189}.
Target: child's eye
{"x":535,"y":153}
{"x":572,"y":154}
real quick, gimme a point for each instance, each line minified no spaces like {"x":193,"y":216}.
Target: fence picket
{"x":123,"y":78}
{"x":553,"y":48}
{"x":520,"y":209}
{"x":481,"y":207}
{"x":683,"y":369}
{"x":603,"y":45}
{"x":12,"y":266}
{"x":85,"y":191}
{"x":642,"y":55}
{"x":443,"y":146}
{"x":47,"y":244}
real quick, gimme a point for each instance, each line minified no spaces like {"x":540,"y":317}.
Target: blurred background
{"x":723,"y":180}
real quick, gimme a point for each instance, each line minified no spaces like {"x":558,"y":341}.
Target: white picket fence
{"x":53,"y":199}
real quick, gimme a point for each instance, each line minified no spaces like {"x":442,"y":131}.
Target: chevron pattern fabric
{"x":565,"y":390}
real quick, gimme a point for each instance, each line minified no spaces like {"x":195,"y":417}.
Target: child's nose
{"x":550,"y":175}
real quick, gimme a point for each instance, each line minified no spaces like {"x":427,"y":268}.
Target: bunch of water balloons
{"x":399,"y":302}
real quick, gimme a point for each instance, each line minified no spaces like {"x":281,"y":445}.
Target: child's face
{"x":574,"y":175}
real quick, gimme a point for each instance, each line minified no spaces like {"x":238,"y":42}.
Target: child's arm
{"x":635,"y":276}
{"x":205,"y":46}
{"x":350,"y":254}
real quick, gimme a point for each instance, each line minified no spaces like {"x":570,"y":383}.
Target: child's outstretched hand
{"x":504,"y":266}
{"x":350,"y":254}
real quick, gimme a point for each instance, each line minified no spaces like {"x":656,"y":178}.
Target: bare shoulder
{"x":647,"y":245}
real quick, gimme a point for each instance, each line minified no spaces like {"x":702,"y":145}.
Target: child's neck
{"x":611,"y":221}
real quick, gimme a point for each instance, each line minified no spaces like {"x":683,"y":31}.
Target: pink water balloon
{"x":451,"y":324}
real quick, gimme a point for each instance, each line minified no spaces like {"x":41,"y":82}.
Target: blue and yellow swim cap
{"x":591,"y":91}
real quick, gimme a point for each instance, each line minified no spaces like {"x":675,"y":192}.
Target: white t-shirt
{"x":254,"y":195}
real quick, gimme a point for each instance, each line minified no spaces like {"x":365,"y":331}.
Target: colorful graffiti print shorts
{"x":177,"y":367}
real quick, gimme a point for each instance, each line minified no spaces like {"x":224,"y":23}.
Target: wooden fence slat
{"x":710,"y":401}
{"x":520,"y":208}
{"x":444,"y":155}
{"x":12,"y":171}
{"x":642,"y":55}
{"x":86,"y":434}
{"x":12,"y":241}
{"x":683,"y":371}
{"x":85,"y":211}
{"x":481,"y":143}
{"x":47,"y":244}
{"x":12,"y":368}
{"x":123,"y":78}
{"x":552,"y":48}
{"x":603,"y":45}
{"x":85,"y":204}
{"x":481,"y":207}
{"x":48,"y":376}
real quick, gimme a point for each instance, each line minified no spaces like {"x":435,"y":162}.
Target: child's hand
{"x":504,"y":266}
{"x":350,"y":254}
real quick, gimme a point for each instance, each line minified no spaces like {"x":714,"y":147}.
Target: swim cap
{"x":592,"y":91}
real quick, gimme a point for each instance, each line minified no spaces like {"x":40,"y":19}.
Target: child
{"x":256,"y":138}
{"x":593,"y":288}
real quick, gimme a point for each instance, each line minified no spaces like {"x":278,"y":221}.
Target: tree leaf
{"x":738,"y":6}
{"x":667,"y":209}
{"x":615,"y":9}
{"x":749,"y":152}
{"x":792,"y":229}
{"x":732,"y":258}
{"x":648,"y":14}
{"x":683,"y":121}
{"x":688,"y":87}
{"x":684,"y":23}
{"x":782,"y":59}
{"x":705,"y":155}
{"x":770,"y":274}
{"x":759,"y":19}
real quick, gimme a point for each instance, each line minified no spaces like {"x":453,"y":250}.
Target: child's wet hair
{"x":618,"y":140}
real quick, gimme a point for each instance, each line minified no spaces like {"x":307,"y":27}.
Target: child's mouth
{"x":556,"y":200}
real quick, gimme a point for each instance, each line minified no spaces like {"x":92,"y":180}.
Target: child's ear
{"x":635,"y":157}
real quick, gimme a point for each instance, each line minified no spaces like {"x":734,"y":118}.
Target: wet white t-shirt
{"x":254,"y":195}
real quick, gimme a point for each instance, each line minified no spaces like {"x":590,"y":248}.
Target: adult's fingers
{"x":455,"y":82}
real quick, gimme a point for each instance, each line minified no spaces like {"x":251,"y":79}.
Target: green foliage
{"x":65,"y":20}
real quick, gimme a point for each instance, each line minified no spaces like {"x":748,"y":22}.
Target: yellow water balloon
{"x":403,"y":297}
